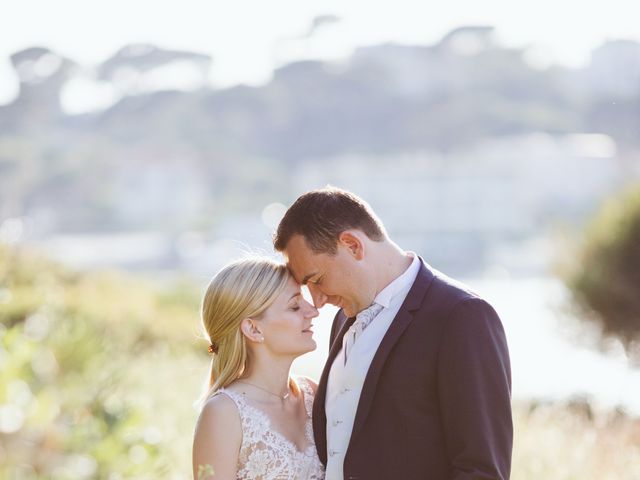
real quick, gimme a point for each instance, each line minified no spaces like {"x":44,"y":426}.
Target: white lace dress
{"x":266,"y":454}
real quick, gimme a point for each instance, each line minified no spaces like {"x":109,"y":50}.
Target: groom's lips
{"x":308,"y":330}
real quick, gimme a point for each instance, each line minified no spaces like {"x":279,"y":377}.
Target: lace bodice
{"x":266,"y":454}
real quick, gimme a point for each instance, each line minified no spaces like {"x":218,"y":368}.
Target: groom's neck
{"x":389,"y":262}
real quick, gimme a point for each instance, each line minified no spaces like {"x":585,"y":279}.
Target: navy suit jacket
{"x":436,"y":401}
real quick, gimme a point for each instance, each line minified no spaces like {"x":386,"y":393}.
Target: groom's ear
{"x":352,"y":241}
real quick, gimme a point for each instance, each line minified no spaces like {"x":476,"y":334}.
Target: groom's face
{"x":330,"y":278}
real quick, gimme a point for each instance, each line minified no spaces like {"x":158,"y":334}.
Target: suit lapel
{"x":403,"y":318}
{"x":319,"y":414}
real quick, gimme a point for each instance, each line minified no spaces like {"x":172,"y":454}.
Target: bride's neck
{"x":270,"y":374}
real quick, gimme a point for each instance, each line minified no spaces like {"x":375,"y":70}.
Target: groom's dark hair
{"x":320,"y":216}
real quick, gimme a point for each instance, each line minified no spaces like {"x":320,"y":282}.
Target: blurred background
{"x":145,"y":145}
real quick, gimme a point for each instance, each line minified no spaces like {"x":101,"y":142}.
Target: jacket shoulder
{"x":447,"y":293}
{"x":452,"y":286}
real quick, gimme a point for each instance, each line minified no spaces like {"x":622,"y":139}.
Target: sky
{"x":247,"y":39}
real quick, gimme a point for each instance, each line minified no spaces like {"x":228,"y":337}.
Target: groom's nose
{"x":319,"y":298}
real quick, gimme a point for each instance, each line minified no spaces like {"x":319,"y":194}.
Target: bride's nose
{"x":311,"y":311}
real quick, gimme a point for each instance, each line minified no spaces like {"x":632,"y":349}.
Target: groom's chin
{"x":348,"y":312}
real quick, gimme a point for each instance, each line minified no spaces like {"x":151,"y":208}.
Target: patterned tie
{"x":363,"y":319}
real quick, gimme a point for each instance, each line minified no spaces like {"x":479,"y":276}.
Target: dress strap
{"x":307,"y":391}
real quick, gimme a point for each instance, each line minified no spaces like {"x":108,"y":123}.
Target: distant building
{"x":615,"y":68}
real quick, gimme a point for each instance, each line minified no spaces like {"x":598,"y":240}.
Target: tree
{"x":605,"y":282}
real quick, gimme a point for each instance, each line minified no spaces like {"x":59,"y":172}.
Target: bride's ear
{"x":250,"y":329}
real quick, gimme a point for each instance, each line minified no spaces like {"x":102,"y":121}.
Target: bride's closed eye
{"x":295,"y":305}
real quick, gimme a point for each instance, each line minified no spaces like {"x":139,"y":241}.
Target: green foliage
{"x":99,"y":371}
{"x":205,"y":471}
{"x":77,"y":352}
{"x":606,"y":280}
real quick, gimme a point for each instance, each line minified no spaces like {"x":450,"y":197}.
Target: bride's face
{"x":286,"y":324}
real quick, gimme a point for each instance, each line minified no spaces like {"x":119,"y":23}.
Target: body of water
{"x":550,"y":359}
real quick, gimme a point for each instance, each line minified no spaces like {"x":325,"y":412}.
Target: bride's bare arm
{"x":217,"y":440}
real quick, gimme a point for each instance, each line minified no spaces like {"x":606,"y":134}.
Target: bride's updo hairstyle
{"x":242,"y":289}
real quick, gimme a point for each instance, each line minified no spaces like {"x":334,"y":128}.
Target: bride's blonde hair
{"x":242,"y":289}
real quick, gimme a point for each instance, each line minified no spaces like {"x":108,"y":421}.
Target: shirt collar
{"x":400,"y":284}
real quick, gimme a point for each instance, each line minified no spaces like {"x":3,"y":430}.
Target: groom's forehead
{"x":297,"y":250}
{"x":300,"y":259}
{"x":294,"y":271}
{"x":299,"y":268}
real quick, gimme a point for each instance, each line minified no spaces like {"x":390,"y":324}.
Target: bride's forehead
{"x":291,"y":289}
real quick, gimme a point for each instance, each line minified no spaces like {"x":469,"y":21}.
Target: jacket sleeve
{"x":474,"y":385}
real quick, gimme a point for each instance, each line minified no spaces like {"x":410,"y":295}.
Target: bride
{"x":255,"y":420}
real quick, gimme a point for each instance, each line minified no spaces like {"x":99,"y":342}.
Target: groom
{"x":417,"y":384}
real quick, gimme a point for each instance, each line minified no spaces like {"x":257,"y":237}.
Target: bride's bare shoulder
{"x":219,"y":413}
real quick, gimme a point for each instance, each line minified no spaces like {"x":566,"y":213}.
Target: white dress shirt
{"x":345,"y":381}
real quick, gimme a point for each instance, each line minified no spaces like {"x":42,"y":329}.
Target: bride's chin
{"x":313,"y":346}
{"x":308,"y":347}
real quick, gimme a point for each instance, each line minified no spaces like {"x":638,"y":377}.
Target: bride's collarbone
{"x":264,"y":400}
{"x":291,"y":408}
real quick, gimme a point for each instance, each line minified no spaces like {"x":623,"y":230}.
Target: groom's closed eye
{"x":306,"y":278}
